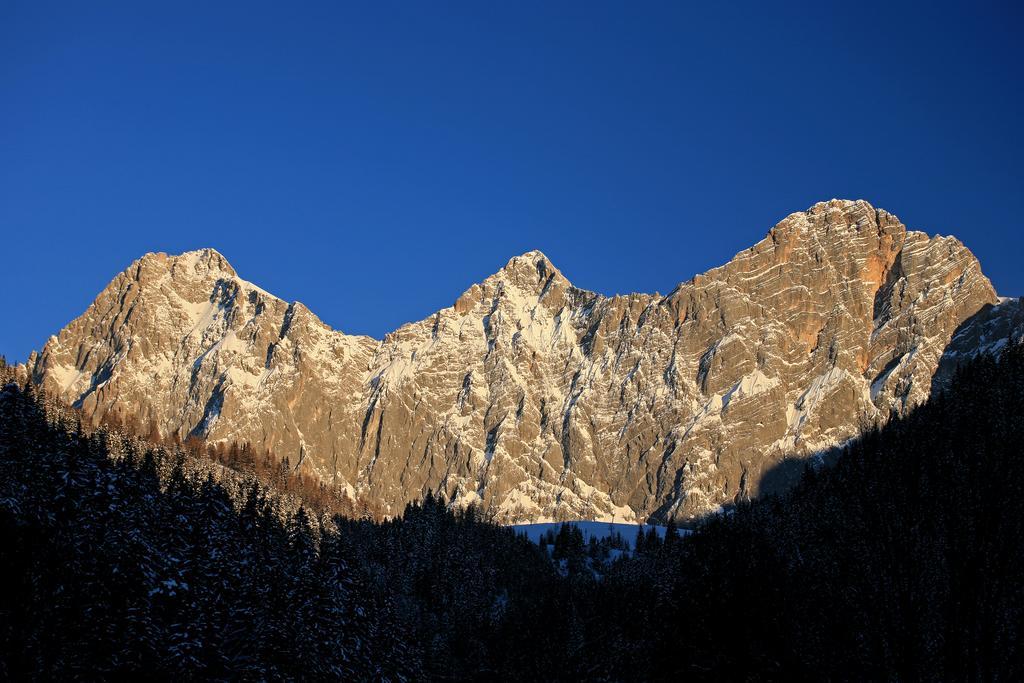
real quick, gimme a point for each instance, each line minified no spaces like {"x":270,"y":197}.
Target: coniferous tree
{"x":896,"y":561}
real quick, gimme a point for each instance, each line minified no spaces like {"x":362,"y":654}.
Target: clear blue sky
{"x":374,"y":159}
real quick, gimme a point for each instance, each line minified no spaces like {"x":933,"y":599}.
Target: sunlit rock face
{"x":537,"y":399}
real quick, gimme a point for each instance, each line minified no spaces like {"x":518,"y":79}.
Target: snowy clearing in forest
{"x":590,"y":529}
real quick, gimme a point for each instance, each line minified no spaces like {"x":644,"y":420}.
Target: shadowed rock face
{"x":536,"y":398}
{"x":988,"y":331}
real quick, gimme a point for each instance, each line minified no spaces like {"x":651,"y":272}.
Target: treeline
{"x":144,"y":562}
{"x":274,"y":471}
{"x":109,"y":568}
{"x":899,"y":562}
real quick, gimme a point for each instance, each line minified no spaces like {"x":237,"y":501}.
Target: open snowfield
{"x":590,"y":529}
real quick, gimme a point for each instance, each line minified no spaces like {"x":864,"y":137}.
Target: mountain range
{"x":542,"y":401}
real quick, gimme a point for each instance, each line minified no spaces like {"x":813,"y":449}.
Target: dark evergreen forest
{"x":899,"y":561}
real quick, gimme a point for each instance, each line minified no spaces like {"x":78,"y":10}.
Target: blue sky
{"x":374,"y":159}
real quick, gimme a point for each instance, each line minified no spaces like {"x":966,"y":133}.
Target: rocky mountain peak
{"x":528,"y":276}
{"x":198,"y":264}
{"x":532,"y":270}
{"x":540,"y":400}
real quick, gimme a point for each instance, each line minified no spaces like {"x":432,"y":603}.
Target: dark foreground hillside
{"x":898,"y":563}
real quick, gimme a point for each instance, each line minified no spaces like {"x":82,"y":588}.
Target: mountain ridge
{"x":532,"y":396}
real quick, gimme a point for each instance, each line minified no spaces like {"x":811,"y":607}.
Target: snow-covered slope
{"x":595,"y":530}
{"x":538,"y":399}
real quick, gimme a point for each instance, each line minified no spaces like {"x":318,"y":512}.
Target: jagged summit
{"x":528,"y":275}
{"x":532,"y":270}
{"x":534,"y":256}
{"x":539,"y":399}
{"x":206,"y":260}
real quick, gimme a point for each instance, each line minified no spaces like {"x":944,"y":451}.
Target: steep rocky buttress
{"x":541,"y":400}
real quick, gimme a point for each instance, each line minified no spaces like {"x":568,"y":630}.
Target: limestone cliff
{"x":538,"y":399}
